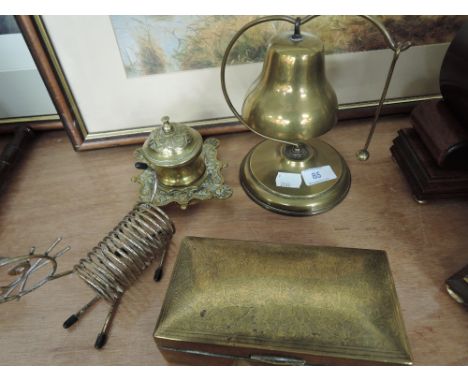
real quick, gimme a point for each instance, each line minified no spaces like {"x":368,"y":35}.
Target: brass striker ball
{"x":362,"y":155}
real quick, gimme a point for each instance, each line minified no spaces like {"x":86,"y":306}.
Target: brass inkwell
{"x":291,"y":104}
{"x":179,"y":167}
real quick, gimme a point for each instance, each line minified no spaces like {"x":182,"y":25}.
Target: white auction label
{"x":288,"y":179}
{"x":317,"y":175}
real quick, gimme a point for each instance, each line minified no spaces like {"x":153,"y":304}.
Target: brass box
{"x":239,"y":301}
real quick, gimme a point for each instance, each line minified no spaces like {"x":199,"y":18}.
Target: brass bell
{"x":292,"y":100}
{"x":290,"y":104}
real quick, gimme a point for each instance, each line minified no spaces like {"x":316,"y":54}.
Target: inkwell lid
{"x":172,"y":145}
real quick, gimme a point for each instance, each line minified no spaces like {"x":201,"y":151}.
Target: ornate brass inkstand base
{"x":209,"y":186}
{"x":260,"y":168}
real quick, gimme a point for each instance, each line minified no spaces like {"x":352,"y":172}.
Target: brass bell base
{"x":260,"y":168}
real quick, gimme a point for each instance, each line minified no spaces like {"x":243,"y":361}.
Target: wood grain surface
{"x":82,"y":196}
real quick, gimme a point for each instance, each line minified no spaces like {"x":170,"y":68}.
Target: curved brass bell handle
{"x":241,"y":31}
{"x":397,"y":48}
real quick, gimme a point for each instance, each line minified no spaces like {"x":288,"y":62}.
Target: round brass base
{"x":260,"y":168}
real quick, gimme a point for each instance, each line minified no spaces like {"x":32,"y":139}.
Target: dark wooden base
{"x":426,"y":179}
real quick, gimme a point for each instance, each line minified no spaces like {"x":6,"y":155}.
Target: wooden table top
{"x":82,"y":196}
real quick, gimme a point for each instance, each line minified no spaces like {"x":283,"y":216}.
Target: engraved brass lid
{"x":287,"y":304}
{"x":172,"y":145}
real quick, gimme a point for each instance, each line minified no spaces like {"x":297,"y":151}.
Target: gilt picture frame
{"x":101,"y":106}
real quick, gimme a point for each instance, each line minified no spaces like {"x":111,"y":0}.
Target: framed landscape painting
{"x":114,"y":77}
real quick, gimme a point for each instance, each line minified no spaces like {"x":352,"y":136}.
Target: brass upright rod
{"x":363,"y":154}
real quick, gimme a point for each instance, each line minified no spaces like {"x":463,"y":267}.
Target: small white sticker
{"x":288,"y":179}
{"x":318,"y":175}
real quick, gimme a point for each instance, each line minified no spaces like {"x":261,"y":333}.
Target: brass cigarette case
{"x":234,"y":302}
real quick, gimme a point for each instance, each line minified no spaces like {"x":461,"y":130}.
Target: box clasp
{"x":277,"y":360}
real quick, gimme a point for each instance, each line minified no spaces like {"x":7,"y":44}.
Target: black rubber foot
{"x":158,"y":274}
{"x":100,"y":341}
{"x":70,"y":321}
